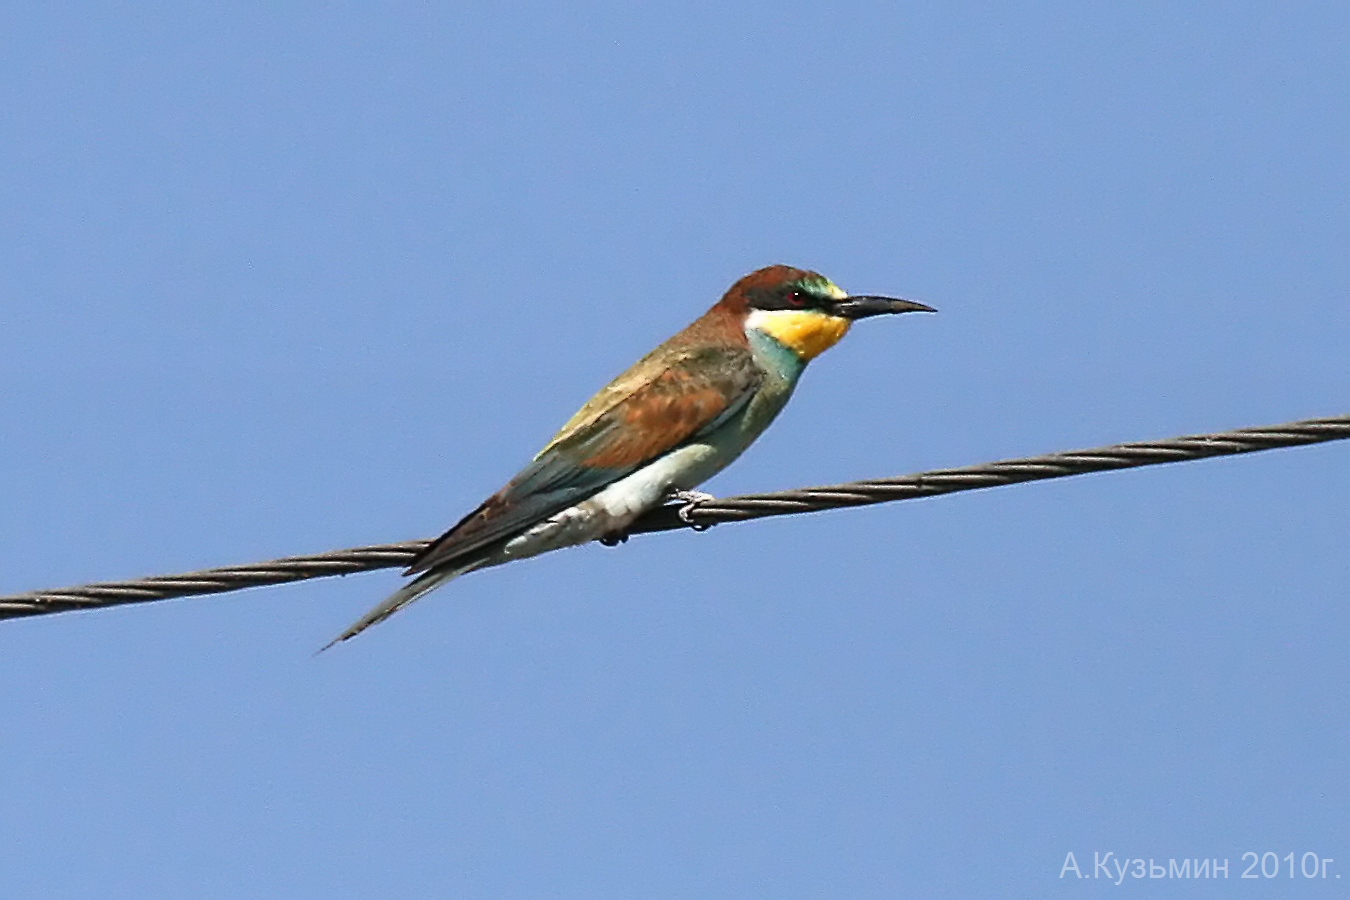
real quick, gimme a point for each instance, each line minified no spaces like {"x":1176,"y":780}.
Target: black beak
{"x":862,"y":306}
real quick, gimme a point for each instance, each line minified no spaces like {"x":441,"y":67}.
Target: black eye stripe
{"x":788,"y":298}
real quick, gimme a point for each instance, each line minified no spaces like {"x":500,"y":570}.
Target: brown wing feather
{"x":655,"y":419}
{"x":638,"y":422}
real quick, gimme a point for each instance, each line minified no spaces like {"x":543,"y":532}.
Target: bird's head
{"x":805,"y":311}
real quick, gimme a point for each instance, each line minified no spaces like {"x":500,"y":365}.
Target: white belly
{"x":616,"y":507}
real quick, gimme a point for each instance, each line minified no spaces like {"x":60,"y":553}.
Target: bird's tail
{"x":413,"y":590}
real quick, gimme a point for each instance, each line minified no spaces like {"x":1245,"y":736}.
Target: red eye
{"x":796,"y":299}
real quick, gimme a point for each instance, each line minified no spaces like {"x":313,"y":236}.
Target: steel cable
{"x":702,"y":514}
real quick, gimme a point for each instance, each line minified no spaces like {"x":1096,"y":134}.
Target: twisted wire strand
{"x":704,"y":513}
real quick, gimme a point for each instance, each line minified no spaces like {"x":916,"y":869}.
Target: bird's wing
{"x":650,"y":409}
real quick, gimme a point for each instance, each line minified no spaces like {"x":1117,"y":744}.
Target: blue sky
{"x":283,"y":278}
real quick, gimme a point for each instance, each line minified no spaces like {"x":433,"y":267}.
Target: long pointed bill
{"x":862,"y":306}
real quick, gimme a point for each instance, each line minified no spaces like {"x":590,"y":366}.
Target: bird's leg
{"x":691,"y":500}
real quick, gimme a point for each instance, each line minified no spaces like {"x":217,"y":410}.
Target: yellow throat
{"x":808,"y":333}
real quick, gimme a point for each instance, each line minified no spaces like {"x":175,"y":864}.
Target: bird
{"x":674,"y":419}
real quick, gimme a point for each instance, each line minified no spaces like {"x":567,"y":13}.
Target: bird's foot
{"x":614,"y":538}
{"x":691,"y":500}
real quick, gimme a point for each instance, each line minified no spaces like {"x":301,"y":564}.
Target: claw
{"x":691,"y":500}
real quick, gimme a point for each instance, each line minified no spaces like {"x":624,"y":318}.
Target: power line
{"x":705,"y":513}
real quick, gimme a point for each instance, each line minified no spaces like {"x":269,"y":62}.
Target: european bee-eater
{"x":672,"y":421}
